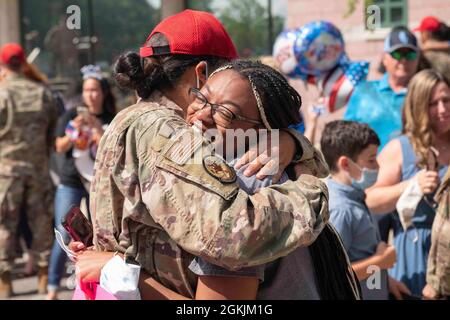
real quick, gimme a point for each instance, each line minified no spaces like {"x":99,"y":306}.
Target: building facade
{"x":362,"y":43}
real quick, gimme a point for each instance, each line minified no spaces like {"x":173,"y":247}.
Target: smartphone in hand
{"x":78,"y":226}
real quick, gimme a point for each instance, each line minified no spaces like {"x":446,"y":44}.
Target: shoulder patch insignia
{"x":219,"y":169}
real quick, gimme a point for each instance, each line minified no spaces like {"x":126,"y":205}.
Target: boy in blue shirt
{"x":350,"y":149}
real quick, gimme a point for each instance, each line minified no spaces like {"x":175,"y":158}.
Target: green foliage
{"x":351,"y":6}
{"x":122,"y":25}
{"x":201,"y":5}
{"x":246,"y":21}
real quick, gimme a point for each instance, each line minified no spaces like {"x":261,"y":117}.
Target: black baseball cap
{"x":400,"y":37}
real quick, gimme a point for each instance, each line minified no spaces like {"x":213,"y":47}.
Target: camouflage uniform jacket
{"x":148,"y":203}
{"x":440,"y":61}
{"x":28,"y":118}
{"x":438,"y":270}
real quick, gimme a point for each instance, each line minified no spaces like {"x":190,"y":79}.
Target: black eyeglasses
{"x":221,"y":114}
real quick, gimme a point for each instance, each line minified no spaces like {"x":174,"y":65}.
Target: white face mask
{"x":206,"y":74}
{"x":368,"y":178}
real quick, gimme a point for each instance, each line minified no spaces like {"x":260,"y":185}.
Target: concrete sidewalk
{"x":25,"y":288}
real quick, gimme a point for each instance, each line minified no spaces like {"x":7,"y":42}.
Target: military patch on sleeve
{"x":219,"y":169}
{"x":182,"y":146}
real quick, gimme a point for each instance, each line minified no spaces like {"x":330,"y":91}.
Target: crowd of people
{"x":363,"y":214}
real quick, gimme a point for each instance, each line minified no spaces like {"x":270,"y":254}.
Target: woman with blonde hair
{"x":419,"y":157}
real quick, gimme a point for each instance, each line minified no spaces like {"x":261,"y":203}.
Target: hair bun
{"x":131,"y":72}
{"x":128,"y":70}
{"x":123,"y":80}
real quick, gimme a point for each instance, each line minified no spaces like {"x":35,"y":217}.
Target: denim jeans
{"x":65,"y":198}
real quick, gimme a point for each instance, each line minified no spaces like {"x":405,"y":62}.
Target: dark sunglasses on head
{"x":408,"y":55}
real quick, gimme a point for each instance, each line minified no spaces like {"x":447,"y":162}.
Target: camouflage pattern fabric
{"x":153,"y":204}
{"x":27,"y":121}
{"x":438,"y":269}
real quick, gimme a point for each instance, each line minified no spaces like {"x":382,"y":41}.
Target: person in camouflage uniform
{"x":27,"y":120}
{"x":435,"y":44}
{"x":438,"y":269}
{"x":159,"y":209}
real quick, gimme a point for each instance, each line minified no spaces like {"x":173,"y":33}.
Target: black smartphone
{"x":78,"y":226}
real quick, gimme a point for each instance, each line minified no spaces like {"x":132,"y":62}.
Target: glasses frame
{"x":216,"y":106}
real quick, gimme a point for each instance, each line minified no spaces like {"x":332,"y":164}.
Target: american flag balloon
{"x":337,"y":85}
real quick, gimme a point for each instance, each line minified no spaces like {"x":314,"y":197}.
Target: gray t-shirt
{"x":288,"y":278}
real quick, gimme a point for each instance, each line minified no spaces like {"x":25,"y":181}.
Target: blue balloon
{"x":318,"y":48}
{"x":283,"y":53}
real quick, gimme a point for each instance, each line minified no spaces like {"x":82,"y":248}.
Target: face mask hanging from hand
{"x":368,"y":178}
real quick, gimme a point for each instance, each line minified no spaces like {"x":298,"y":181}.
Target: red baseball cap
{"x":10,"y":51}
{"x":192,"y":32}
{"x":429,"y":23}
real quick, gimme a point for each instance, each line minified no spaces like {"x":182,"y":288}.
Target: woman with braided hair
{"x":250,"y":95}
{"x":155,"y":207}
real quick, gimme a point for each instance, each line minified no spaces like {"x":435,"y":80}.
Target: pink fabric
{"x":91,"y":291}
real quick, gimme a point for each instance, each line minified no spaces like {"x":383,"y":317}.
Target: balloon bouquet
{"x":315,"y":53}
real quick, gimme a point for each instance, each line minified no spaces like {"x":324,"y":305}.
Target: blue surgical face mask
{"x":368,"y":178}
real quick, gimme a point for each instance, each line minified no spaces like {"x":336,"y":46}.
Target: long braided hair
{"x":279,"y":105}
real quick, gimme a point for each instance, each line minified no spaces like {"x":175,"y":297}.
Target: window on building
{"x":393,"y":12}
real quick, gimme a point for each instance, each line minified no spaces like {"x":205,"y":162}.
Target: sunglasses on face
{"x":408,"y":55}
